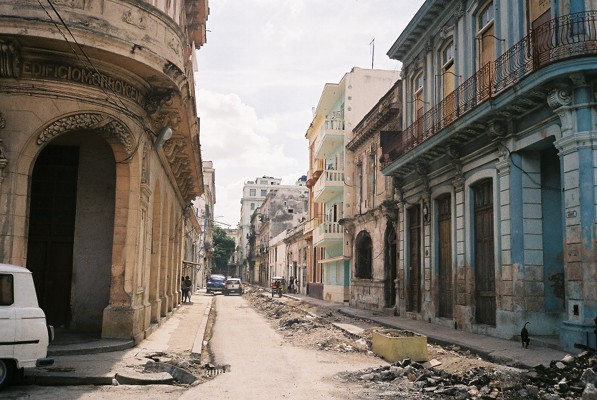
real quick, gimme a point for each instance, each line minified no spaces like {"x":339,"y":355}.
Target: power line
{"x":114,"y":98}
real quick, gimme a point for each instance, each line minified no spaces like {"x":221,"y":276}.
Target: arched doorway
{"x":390,"y":266}
{"x":364,"y":256}
{"x":71,"y":225}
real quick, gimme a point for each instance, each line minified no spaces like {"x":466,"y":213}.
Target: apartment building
{"x":372,"y":224}
{"x":341,"y":106}
{"x":495,"y":167}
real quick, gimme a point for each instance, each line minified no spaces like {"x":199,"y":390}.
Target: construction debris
{"x":450,"y":374}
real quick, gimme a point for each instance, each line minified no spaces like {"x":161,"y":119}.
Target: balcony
{"x":328,"y":234}
{"x":560,"y":39}
{"x":330,"y":139}
{"x":311,"y":225}
{"x":329,"y":185}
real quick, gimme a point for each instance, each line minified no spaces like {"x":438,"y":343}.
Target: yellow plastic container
{"x":393,"y":345}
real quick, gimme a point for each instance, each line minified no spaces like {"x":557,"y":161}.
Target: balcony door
{"x":484,"y":253}
{"x":446,"y":293}
{"x":540,"y":15}
{"x":414,"y":259}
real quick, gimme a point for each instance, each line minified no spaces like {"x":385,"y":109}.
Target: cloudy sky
{"x":262,"y":71}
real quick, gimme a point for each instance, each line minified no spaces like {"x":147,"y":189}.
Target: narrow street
{"x":263,"y":365}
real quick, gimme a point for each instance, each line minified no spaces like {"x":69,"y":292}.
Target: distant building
{"x":254,"y":193}
{"x":296,"y":254}
{"x":283,"y":208}
{"x":203,"y":207}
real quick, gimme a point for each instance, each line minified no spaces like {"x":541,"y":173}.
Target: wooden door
{"x":414,"y":261}
{"x":51,"y":230}
{"x":418,"y":116}
{"x":446,"y":294}
{"x":448,"y":83}
{"x":390,"y":266}
{"x":484,"y":254}
{"x":541,"y":34}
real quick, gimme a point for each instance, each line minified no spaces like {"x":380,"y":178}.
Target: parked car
{"x":24,"y":334}
{"x":233,"y":285}
{"x":215,"y":283}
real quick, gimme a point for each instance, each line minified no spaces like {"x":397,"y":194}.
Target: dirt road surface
{"x":264,"y":365}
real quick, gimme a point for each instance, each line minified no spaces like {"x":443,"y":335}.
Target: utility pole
{"x":372,"y":44}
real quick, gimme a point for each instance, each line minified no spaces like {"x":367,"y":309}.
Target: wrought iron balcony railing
{"x":562,"y":38}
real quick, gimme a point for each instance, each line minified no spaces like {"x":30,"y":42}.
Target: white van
{"x":24,"y":334}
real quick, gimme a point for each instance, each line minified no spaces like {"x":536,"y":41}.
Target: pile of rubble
{"x":570,"y":378}
{"x":305,"y":328}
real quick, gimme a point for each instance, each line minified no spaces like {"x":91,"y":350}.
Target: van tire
{"x":7,"y":369}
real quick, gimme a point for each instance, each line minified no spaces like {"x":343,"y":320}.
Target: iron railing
{"x":559,"y":39}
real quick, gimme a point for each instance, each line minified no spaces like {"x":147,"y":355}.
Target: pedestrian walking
{"x":183,"y":289}
{"x":189,"y":287}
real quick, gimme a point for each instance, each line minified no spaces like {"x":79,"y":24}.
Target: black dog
{"x":524,"y":336}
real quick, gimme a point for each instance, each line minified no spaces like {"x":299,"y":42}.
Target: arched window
{"x":364,"y":256}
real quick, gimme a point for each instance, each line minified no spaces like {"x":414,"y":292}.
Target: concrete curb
{"x":137,"y":378}
{"x":101,"y":346}
{"x":200,"y":337}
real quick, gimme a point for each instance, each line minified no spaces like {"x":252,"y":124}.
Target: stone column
{"x":576,"y":107}
{"x":462,"y":310}
{"x":505,"y":292}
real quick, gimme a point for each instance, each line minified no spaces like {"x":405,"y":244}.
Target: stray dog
{"x":524,"y":336}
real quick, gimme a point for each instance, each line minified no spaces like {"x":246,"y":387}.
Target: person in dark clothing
{"x":189,"y":287}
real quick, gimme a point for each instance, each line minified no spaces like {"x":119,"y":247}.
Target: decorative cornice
{"x":105,"y":124}
{"x":571,"y":143}
{"x":156,"y":99}
{"x":497,"y":129}
{"x":559,"y":98}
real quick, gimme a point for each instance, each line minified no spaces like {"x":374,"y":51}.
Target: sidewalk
{"x":507,"y":352}
{"x":97,"y":362}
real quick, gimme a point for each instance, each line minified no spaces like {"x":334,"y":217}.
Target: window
{"x":448,"y":56}
{"x":486,"y":16}
{"x":253,"y":192}
{"x":486,"y":41}
{"x":7,"y":296}
{"x":252,"y":206}
{"x":419,"y":103}
{"x":264,"y":192}
{"x":372,"y":181}
{"x":364,"y":255}
{"x":449,"y":82}
{"x":419,"y":83}
{"x":359,"y":184}
{"x":263,"y":182}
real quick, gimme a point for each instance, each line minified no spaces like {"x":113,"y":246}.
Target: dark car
{"x":233,"y":285}
{"x":215,"y":283}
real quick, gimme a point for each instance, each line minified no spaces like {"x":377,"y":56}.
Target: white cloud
{"x":262,"y":70}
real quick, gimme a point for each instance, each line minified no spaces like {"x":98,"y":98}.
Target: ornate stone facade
{"x":91,"y":201}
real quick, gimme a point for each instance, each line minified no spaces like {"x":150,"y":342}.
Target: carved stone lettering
{"x":10,"y":59}
{"x":86,"y":76}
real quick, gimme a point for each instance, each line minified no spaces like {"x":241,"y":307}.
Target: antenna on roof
{"x":372,"y":44}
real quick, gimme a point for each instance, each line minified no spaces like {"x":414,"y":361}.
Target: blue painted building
{"x":495,"y":168}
